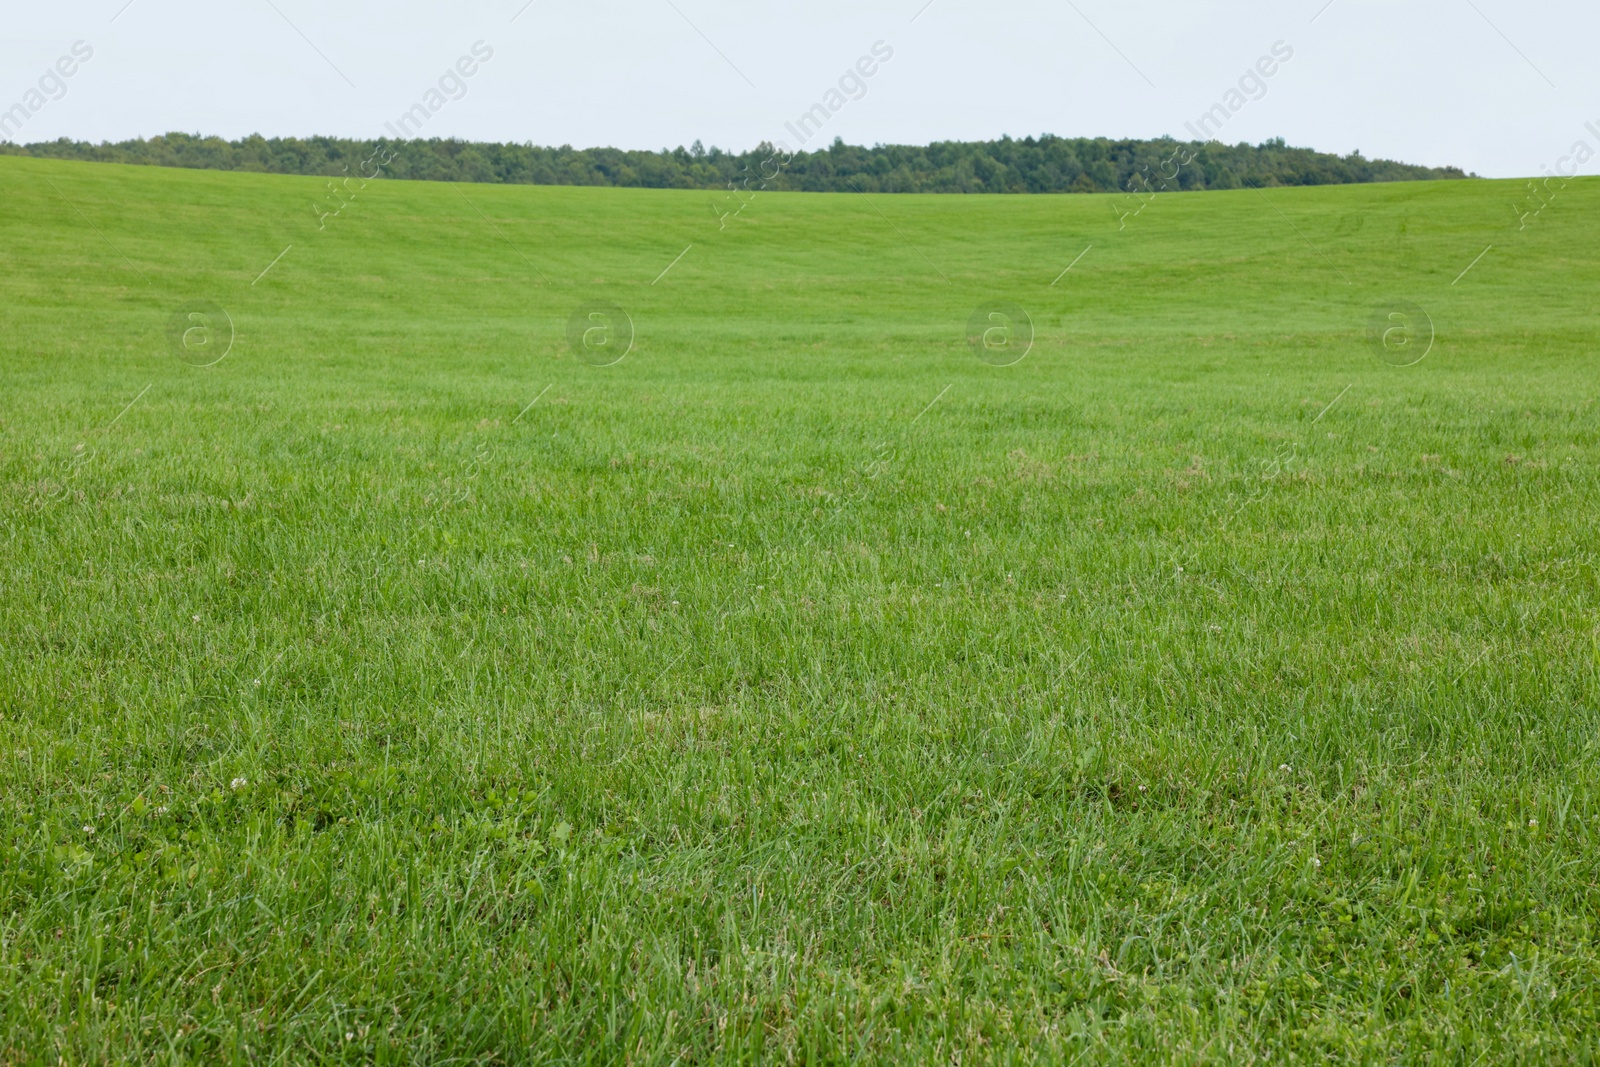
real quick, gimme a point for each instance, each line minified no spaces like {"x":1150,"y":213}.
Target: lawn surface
{"x":1203,"y":686}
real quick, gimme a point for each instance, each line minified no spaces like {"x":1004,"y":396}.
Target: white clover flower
{"x":238,"y":784}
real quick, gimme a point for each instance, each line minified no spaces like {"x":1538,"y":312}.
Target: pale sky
{"x":1500,"y":87}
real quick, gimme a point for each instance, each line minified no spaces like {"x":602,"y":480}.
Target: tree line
{"x":1047,"y":164}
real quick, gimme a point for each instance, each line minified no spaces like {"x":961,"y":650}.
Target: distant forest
{"x":1046,"y":164}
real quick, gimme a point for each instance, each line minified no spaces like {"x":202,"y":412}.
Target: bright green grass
{"x":723,"y":706}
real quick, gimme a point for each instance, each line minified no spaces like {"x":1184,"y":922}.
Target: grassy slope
{"x":722,"y":704}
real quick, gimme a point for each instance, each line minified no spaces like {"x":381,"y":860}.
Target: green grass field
{"x":802,"y":687}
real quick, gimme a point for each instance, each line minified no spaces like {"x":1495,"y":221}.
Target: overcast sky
{"x":1500,"y":87}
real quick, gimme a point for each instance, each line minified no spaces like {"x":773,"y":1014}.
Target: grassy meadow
{"x":405,"y":687}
